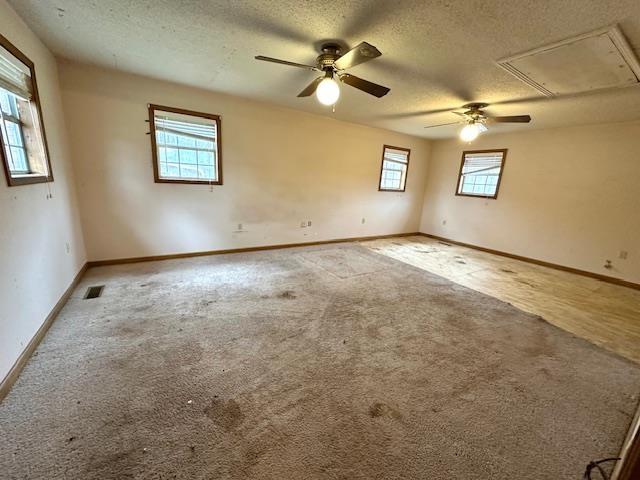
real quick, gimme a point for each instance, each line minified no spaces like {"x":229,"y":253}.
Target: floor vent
{"x":94,"y":292}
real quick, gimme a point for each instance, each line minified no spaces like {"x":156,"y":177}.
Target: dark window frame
{"x":406,"y":174}
{"x":31,"y":179}
{"x":474,"y":195}
{"x":154,"y":147}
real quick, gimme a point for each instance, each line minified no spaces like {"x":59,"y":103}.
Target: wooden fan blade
{"x":311,"y":88}
{"x":285,"y":62}
{"x":363,"y":52}
{"x":443,"y":124}
{"x":364,"y":85}
{"x":511,"y":119}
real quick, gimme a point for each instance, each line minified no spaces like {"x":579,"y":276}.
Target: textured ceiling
{"x":436,"y":54}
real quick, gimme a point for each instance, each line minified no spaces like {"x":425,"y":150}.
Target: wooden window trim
{"x":406,"y":174}
{"x":31,"y":179}
{"x":486,"y":197}
{"x":154,"y":147}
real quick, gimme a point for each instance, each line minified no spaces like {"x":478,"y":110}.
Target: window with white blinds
{"x":480,"y":173}
{"x":393,"y":172}
{"x":186,"y":146}
{"x":23,"y":152}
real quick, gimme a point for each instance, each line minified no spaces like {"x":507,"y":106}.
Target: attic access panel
{"x":598,"y":60}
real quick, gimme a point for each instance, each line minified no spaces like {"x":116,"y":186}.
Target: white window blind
{"x":187,"y":147}
{"x":480,"y":173}
{"x":394,"y":169}
{"x":15,"y":77}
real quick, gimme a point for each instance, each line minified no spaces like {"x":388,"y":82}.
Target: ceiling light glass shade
{"x":470,"y":132}
{"x":328,"y":91}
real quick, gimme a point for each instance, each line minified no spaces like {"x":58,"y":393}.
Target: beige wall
{"x":35,"y":266}
{"x":570,"y":196}
{"x":280,"y":166}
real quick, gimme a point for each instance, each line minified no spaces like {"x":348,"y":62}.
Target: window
{"x":185,"y":145}
{"x":24,"y":152}
{"x":393,"y":172}
{"x":480,"y":173}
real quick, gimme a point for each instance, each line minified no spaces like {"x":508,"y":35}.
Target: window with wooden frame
{"x":186,"y":146}
{"x":24,"y":152}
{"x":480,"y":173}
{"x":393,"y":171}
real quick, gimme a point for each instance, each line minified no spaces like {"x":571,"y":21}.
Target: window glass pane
{"x":188,"y":171}
{"x":171,"y":139}
{"x":18,"y":160}
{"x":20,"y":120}
{"x":188,"y":145}
{"x":188,"y":156}
{"x":204,"y":144}
{"x":394,"y":168}
{"x":184,"y":141}
{"x":205,"y":158}
{"x":489,"y":189}
{"x":172,"y":154}
{"x":173,"y":170}
{"x":480,"y":173}
{"x":5,"y":102}
{"x":205,"y":172}
{"x":13,"y":134}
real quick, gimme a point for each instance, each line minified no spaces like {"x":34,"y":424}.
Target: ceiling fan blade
{"x":311,"y":88}
{"x":285,"y":62}
{"x":443,"y":124}
{"x":363,"y":52}
{"x":511,"y":119}
{"x":364,"y":85}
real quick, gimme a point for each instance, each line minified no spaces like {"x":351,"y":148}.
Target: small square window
{"x":23,"y":152}
{"x":480,"y":173}
{"x":185,"y":146}
{"x":393,"y":171}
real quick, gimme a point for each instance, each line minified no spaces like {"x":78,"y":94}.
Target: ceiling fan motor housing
{"x":330,"y":53}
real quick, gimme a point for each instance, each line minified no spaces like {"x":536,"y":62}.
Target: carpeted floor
{"x":328,"y":362}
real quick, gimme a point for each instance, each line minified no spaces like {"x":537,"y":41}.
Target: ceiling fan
{"x":333,"y":64}
{"x":476,"y":120}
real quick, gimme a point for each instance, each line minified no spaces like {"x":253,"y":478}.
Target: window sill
{"x":397,"y":190}
{"x":188,"y":182}
{"x":486,"y":197}
{"x":15,"y":181}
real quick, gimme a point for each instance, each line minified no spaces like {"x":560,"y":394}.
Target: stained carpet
{"x":328,"y":362}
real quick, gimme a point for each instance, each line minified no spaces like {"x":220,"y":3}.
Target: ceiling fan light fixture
{"x":328,"y":91}
{"x":470,"y":132}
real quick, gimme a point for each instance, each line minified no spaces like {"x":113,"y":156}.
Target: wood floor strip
{"x":597,"y":276}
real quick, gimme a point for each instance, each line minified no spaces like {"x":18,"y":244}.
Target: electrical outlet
{"x":303,"y":224}
{"x":239,"y":226}
{"x":362,"y":219}
{"x":608,"y":264}
{"x":309,"y":223}
{"x":623,"y":254}
{"x":444,"y":222}
{"x":67,"y":247}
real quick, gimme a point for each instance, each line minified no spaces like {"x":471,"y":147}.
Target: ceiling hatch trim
{"x":556,"y":69}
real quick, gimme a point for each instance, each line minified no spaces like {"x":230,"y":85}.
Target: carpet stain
{"x":379,"y":409}
{"x":226,"y":414}
{"x":287,"y":294}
